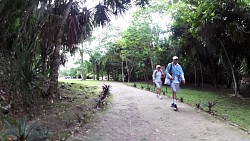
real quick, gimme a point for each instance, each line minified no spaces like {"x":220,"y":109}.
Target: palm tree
{"x":80,"y":24}
{"x":60,"y":25}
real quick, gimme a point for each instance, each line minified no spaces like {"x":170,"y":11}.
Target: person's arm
{"x":182,"y":75}
{"x":153,"y":76}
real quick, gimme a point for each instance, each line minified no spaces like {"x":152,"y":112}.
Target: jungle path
{"x":138,"y":115}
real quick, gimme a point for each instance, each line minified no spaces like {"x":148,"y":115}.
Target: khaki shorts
{"x":175,"y":87}
{"x":158,"y":84}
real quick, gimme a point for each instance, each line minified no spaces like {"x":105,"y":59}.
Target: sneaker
{"x":160,"y":97}
{"x":172,"y":105}
{"x":175,"y":107}
{"x":157,"y":95}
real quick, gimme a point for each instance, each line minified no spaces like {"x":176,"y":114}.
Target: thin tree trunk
{"x":129,"y":73}
{"x":108,"y":74}
{"x":122,"y":71}
{"x":195,"y":75}
{"x":232,"y":70}
{"x":213,"y":74}
{"x":202,"y":79}
{"x":97,"y":71}
{"x":151,"y":61}
{"x":53,"y":88}
{"x":82,"y":64}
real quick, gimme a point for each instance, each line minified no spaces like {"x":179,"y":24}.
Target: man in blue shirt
{"x":175,"y":73}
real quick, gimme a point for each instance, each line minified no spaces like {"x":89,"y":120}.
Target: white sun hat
{"x":158,"y":66}
{"x":175,"y":58}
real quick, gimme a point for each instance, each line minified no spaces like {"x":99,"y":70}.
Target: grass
{"x":84,"y":82}
{"x":231,"y":109}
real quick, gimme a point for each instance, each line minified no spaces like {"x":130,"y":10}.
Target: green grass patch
{"x":84,"y":82}
{"x":231,"y":109}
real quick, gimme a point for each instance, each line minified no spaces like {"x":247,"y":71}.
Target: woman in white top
{"x":157,"y":75}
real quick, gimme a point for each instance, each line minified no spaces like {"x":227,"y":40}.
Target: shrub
{"x":135,"y":85}
{"x":103,"y":96}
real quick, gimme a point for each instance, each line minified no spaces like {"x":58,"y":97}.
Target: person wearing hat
{"x":176,"y":75}
{"x":157,"y":75}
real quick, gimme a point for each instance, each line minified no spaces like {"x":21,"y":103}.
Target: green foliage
{"x":205,"y":34}
{"x":22,"y":132}
{"x":26,"y":74}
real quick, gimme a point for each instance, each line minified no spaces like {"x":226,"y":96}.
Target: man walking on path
{"x":175,"y":73}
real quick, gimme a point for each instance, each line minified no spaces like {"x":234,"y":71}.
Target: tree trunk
{"x":202,"y":78}
{"x":108,"y":74}
{"x":122,"y":71}
{"x":213,"y":73}
{"x":232,"y":71}
{"x":82,"y":64}
{"x":195,"y":76}
{"x":97,"y":71}
{"x":129,"y":71}
{"x":53,"y":88}
{"x":151,"y":60}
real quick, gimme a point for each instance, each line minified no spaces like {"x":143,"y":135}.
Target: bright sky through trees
{"x":122,"y":23}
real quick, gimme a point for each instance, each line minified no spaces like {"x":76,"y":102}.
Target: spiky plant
{"x":210,"y":105}
{"x":103,"y":96}
{"x":135,"y":85}
{"x":164,"y":93}
{"x":19,"y":129}
{"x":198,"y":105}
{"x":181,"y":99}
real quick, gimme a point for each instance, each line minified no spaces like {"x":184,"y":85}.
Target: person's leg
{"x":158,"y":87}
{"x":173,"y":94}
{"x":177,"y":88}
{"x":159,"y":90}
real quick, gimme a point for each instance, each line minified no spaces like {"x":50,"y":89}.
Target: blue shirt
{"x":177,"y":72}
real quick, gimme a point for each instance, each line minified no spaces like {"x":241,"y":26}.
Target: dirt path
{"x":138,"y":115}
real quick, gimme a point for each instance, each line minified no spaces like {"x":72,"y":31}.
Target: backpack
{"x":167,"y":80}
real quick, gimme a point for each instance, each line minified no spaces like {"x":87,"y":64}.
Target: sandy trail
{"x":138,"y":115}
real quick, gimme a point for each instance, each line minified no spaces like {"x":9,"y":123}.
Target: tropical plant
{"x":22,"y":132}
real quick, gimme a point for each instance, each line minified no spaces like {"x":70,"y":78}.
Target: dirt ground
{"x":138,"y":115}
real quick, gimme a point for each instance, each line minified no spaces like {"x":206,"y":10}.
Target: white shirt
{"x":157,"y":76}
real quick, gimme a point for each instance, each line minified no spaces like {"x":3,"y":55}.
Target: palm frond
{"x":118,"y":7}
{"x":86,"y":22}
{"x":141,"y":3}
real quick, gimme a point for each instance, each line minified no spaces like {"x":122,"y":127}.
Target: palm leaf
{"x":11,"y":130}
{"x":86,"y":21}
{"x":141,"y":3}
{"x":118,"y":7}
{"x":24,"y":126}
{"x":32,"y":126}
